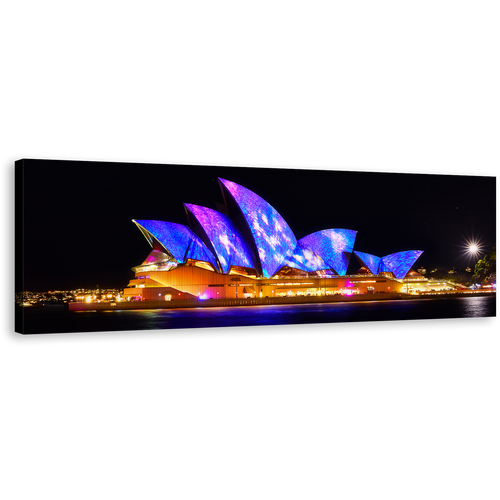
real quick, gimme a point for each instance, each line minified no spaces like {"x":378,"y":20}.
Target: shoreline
{"x":196,"y":303}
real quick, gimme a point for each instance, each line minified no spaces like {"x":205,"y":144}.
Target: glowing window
{"x":156,"y":257}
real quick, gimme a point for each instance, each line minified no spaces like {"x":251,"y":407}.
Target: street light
{"x":473,"y":249}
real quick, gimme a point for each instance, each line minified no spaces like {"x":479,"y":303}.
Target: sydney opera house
{"x":245,"y":249}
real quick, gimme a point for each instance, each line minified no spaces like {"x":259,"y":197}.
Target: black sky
{"x":78,"y":230}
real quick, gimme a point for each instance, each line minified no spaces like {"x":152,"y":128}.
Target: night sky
{"x":78,"y":230}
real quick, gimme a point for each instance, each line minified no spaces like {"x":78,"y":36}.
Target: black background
{"x":77,"y":215}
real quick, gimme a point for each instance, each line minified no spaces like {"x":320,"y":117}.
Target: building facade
{"x":245,"y":249}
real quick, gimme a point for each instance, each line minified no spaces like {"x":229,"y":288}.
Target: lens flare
{"x":473,"y":248}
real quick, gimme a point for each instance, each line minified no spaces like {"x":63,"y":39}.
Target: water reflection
{"x":58,"y":319}
{"x":312,"y":313}
{"x":475,"y":306}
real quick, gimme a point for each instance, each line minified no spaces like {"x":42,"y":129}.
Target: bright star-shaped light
{"x":472,"y":247}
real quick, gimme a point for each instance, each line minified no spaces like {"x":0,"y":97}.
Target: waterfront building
{"x":245,"y":249}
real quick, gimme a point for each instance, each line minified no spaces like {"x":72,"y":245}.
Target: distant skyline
{"x":79,"y":231}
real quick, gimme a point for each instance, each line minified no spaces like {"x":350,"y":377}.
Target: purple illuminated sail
{"x":229,"y":245}
{"x":400,"y":263}
{"x":334,"y":246}
{"x":274,"y":240}
{"x":305,"y":259}
{"x":372,"y":262}
{"x":397,"y":263}
{"x":178,"y":240}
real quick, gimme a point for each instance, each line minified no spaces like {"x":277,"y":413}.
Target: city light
{"x":67,"y":296}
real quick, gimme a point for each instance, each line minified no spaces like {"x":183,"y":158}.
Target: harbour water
{"x":57,"y":319}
